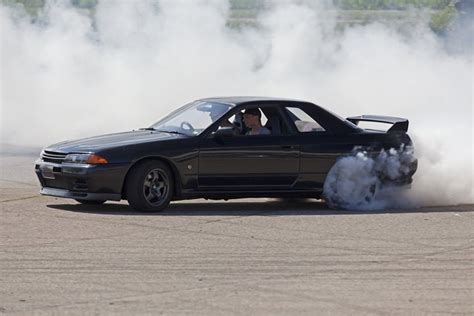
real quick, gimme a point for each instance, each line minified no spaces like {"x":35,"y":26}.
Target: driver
{"x":252,"y":119}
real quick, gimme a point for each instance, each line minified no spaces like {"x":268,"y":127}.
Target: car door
{"x":244,"y":162}
{"x":319,"y":147}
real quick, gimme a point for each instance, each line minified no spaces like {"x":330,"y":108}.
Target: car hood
{"x":96,"y":143}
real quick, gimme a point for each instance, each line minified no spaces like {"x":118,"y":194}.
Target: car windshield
{"x":192,"y":119}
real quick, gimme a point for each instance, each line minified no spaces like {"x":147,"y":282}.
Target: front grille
{"x":51,"y":156}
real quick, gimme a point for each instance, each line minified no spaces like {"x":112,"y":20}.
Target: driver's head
{"x":252,"y":117}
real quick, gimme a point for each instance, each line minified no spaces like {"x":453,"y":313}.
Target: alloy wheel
{"x":156,"y":186}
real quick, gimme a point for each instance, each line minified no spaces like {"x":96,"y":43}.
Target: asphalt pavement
{"x":247,"y":256}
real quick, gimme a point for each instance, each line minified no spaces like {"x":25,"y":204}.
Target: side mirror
{"x":224,"y":132}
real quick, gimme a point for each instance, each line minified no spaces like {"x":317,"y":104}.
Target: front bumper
{"x":85,"y":182}
{"x":80,"y":195}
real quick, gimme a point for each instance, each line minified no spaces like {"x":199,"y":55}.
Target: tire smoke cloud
{"x":364,"y":181}
{"x":70,"y":75}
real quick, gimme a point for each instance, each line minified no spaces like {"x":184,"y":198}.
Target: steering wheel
{"x":187,"y":126}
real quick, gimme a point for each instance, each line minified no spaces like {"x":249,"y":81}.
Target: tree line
{"x":358,"y":4}
{"x":259,"y":4}
{"x":444,"y":10}
{"x":391,"y":4}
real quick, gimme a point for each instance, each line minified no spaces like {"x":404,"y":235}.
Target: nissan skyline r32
{"x":205,"y":150}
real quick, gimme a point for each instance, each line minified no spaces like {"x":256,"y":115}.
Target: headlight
{"x":91,"y":159}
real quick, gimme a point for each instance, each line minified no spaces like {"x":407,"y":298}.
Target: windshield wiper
{"x":171,"y":132}
{"x":162,"y":131}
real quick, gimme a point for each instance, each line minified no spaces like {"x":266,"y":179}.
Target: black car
{"x":216,"y":148}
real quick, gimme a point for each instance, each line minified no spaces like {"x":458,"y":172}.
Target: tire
{"x":149,"y":186}
{"x":91,"y":202}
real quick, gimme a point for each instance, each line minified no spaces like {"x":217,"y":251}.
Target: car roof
{"x":332,"y":120}
{"x":237,"y":100}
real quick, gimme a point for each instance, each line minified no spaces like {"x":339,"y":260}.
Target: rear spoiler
{"x":399,"y":124}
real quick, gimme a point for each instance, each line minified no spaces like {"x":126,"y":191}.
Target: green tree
{"x":442,"y":19}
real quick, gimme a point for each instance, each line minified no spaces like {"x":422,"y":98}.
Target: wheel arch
{"x":174,"y":171}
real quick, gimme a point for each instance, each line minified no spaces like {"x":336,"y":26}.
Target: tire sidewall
{"x":134,"y":186}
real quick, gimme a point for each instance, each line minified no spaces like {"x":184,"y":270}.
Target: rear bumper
{"x":84,"y":182}
{"x":403,"y":182}
{"x":80,"y":195}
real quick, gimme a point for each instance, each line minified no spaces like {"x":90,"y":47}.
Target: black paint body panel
{"x":211,"y":167}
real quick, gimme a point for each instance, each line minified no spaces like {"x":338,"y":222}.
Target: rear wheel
{"x":91,"y":202}
{"x":149,"y":187}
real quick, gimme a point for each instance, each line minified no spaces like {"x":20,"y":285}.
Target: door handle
{"x":288,"y":147}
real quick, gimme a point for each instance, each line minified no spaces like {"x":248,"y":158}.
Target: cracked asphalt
{"x":248,"y":256}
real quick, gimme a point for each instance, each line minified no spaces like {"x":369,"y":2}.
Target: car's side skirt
{"x":250,"y":194}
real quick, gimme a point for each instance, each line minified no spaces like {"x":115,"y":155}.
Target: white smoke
{"x":68,"y":75}
{"x":364,"y":181}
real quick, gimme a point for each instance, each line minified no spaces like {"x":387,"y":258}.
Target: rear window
{"x":303,"y":122}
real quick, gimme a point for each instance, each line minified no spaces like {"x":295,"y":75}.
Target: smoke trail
{"x":69,"y":75}
{"x":367,"y":182}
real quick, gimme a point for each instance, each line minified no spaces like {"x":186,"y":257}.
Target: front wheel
{"x":149,"y":187}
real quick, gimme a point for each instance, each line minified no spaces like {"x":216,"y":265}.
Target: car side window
{"x":304,"y":123}
{"x":265,"y":120}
